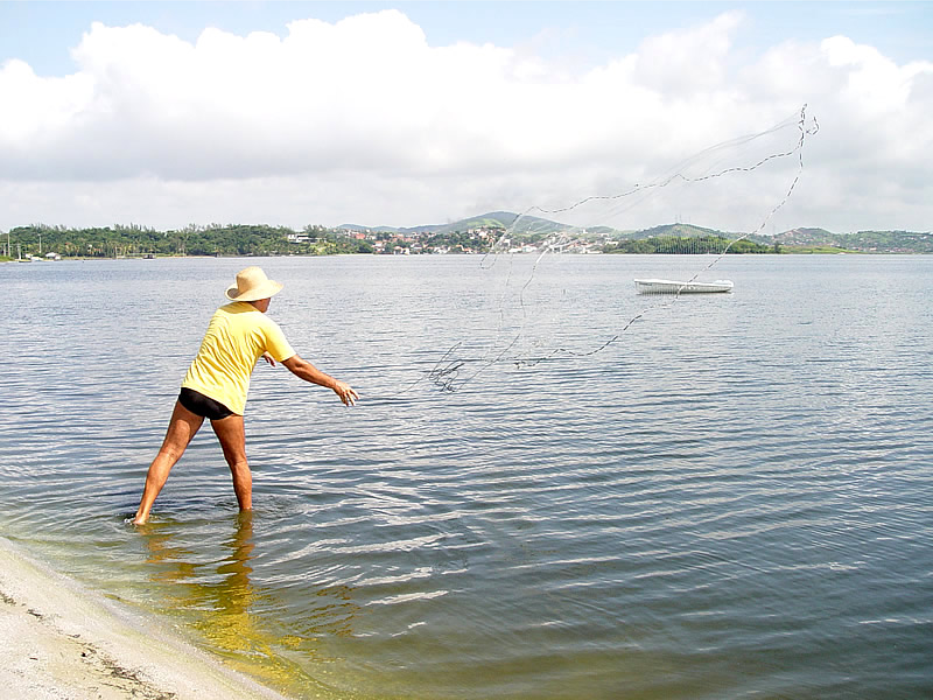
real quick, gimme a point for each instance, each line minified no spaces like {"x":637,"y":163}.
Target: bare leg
{"x":232,"y":435}
{"x":183,"y":426}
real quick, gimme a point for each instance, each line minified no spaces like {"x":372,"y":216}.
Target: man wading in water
{"x":217,"y":382}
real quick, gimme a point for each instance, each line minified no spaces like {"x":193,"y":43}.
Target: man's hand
{"x":305,"y":370}
{"x":346,"y":393}
{"x":268,"y":358}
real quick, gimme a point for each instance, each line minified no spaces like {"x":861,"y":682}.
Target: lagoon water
{"x":732,"y":499}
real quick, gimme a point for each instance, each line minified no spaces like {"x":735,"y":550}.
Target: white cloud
{"x":363,"y":120}
{"x":689,"y":62}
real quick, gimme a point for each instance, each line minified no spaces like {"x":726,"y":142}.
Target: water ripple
{"x":732,"y":500}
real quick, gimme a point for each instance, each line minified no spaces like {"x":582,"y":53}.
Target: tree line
{"x":693,"y":245}
{"x":262,"y":240}
{"x":212,"y":240}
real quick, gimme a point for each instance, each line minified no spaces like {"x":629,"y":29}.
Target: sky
{"x":739,"y":116}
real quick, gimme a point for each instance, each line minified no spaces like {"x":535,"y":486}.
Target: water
{"x":733,"y":499}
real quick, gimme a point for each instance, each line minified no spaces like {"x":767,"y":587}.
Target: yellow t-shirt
{"x":236,"y":338}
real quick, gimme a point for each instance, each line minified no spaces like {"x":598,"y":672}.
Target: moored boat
{"x":655,"y":286}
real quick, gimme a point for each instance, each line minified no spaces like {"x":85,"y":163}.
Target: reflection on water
{"x":220,"y":591}
{"x":733,"y":500}
{"x":218,"y":599}
{"x":231,"y":614}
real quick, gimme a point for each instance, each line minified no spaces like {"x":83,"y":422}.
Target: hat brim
{"x":263,"y":291}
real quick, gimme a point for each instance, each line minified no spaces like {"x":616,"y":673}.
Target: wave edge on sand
{"x":65,"y":642}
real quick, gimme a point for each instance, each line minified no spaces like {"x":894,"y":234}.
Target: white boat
{"x":674,"y":287}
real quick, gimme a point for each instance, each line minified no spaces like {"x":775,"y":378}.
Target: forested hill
{"x":863,"y":241}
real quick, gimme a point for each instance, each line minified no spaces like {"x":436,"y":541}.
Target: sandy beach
{"x":63,"y":642}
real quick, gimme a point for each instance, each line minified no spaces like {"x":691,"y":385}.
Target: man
{"x":217,"y":383}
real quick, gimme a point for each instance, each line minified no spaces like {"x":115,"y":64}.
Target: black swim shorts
{"x":202,"y":405}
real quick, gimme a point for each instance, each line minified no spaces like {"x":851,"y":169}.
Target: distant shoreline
{"x":494,"y":231}
{"x":786,"y":250}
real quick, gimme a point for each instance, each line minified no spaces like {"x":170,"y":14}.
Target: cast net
{"x":736,"y":188}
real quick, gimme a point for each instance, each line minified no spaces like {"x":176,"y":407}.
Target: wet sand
{"x":63,"y":642}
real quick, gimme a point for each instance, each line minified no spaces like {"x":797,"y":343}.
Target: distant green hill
{"x":679,"y":231}
{"x":809,"y":239}
{"x":862,"y":241}
{"x":492,"y":220}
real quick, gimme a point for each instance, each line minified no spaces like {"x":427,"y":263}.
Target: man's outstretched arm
{"x":305,"y":370}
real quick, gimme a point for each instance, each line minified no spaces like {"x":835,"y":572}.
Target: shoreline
{"x":63,"y":641}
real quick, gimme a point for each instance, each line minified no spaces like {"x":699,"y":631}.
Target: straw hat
{"x":252,"y":285}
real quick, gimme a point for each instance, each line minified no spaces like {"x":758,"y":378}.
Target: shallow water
{"x":732,"y":499}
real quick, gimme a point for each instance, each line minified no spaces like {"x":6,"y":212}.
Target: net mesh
{"x":744,"y":181}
